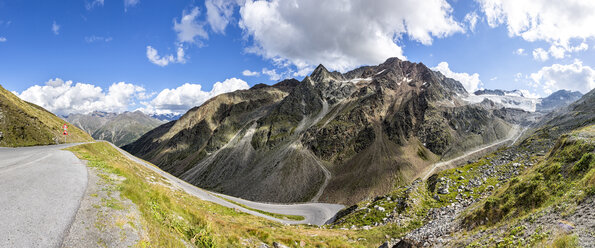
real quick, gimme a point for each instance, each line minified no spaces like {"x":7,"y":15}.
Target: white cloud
{"x":154,"y":57}
{"x":470,"y":82}
{"x":575,"y":76}
{"x":55,"y":28}
{"x":494,"y":79}
{"x":556,"y":22}
{"x":540,"y":54}
{"x":558,"y":51}
{"x":471,"y":20}
{"x":273,"y":75}
{"x":187,"y":96}
{"x":219,"y":14}
{"x":130,"y":3}
{"x":93,"y":4}
{"x":249,"y":73}
{"x":189,"y":28}
{"x":519,"y":51}
{"x":93,"y":38}
{"x":529,"y":94}
{"x":2,"y":39}
{"x":65,"y":97}
{"x":342,"y":34}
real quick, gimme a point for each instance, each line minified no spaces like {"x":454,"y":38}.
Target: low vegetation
{"x":565,"y":176}
{"x":173,"y":218}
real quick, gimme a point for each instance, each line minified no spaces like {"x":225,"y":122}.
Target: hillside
{"x":26,"y":124}
{"x":332,"y":137}
{"x":120,"y":129}
{"x":539,"y":193}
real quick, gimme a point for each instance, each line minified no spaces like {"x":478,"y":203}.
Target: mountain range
{"x":119,"y":129}
{"x":333,"y":137}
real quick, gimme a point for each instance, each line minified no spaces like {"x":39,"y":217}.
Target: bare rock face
{"x":331,"y":137}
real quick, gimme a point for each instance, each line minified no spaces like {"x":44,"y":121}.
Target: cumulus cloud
{"x":575,"y":76}
{"x":154,"y":57}
{"x":249,"y":73}
{"x":65,"y":97}
{"x":130,"y":3}
{"x":556,"y":22}
{"x":470,"y":82}
{"x":186,"y":96}
{"x":2,"y":39}
{"x":219,"y":13}
{"x":342,"y":34}
{"x":558,"y":51}
{"x":55,"y":28}
{"x":188,"y":29}
{"x":471,"y":20}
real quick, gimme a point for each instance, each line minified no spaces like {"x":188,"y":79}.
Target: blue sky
{"x":105,"y":43}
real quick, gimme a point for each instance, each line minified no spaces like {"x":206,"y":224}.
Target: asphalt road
{"x":314,"y":213}
{"x":40,"y":192}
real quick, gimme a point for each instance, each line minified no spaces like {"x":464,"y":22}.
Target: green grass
{"x":565,"y":176}
{"x":275,"y":215}
{"x":173,"y":218}
{"x":566,"y":241}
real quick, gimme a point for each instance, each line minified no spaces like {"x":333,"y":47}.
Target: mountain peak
{"x":320,"y":73}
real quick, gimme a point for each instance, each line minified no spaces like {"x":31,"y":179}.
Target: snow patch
{"x":510,"y":100}
{"x":357,"y":80}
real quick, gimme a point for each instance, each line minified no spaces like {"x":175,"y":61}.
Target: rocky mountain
{"x":166,"y":117}
{"x":515,"y":99}
{"x":558,"y":99}
{"x":538,"y":192}
{"x":512,"y":99}
{"x":26,"y":124}
{"x":499,"y":92}
{"x":119,"y":129}
{"x":332,"y":137}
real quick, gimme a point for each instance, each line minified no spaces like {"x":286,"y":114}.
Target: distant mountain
{"x":26,"y":124}
{"x":558,"y":99}
{"x":332,"y":137}
{"x":119,"y":129}
{"x":166,"y":117}
{"x":513,"y":99}
{"x":498,"y":92}
{"x":578,"y":114}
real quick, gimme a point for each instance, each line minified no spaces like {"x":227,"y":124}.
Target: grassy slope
{"x":26,"y":124}
{"x":567,"y":175}
{"x":173,"y":218}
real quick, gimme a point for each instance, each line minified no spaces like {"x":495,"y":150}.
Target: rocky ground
{"x":105,"y":219}
{"x":468,"y":185}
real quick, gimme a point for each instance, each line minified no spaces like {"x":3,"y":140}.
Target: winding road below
{"x":313,"y":213}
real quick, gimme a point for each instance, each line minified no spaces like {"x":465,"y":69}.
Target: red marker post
{"x":65,"y":128}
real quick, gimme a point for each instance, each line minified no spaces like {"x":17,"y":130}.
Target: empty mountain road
{"x":40,"y":191}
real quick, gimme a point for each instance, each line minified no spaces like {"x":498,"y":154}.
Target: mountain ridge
{"x":120,"y":129}
{"x":277,"y":148}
